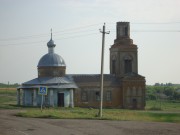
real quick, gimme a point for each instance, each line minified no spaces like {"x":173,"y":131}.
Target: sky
{"x":25,"y":30}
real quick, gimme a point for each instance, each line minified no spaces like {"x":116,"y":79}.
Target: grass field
{"x":171,"y":106}
{"x":164,"y":111}
{"x":7,"y":98}
{"x":108,"y":114}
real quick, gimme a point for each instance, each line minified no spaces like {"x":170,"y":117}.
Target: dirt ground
{"x":12,"y":125}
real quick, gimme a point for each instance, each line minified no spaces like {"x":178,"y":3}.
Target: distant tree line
{"x":14,"y":85}
{"x":166,"y":92}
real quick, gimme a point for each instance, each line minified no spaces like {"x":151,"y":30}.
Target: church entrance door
{"x":61,"y":99}
{"x":134,"y":103}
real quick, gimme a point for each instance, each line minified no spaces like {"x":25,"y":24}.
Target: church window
{"x":134,"y":91}
{"x":140,"y":92}
{"x":97,"y":93}
{"x":84,"y":96}
{"x":55,"y":72}
{"x":139,"y":100}
{"x":117,"y":32}
{"x":113,"y":66}
{"x":128,"y":66}
{"x":128,"y":100}
{"x":108,"y":96}
{"x":128,"y":91}
{"x":126,"y":31}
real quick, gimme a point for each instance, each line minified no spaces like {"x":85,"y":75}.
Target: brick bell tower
{"x":123,"y":53}
{"x":124,"y":65}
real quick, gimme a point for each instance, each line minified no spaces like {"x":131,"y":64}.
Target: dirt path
{"x":12,"y":125}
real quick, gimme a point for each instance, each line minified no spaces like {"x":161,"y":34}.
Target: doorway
{"x":61,"y":99}
{"x":134,"y":103}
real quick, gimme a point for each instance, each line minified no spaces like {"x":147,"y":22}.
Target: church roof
{"x":49,"y":80}
{"x":51,"y":59}
{"x":52,"y":82}
{"x":71,"y":81}
{"x":132,"y":75}
{"x":95,"y":78}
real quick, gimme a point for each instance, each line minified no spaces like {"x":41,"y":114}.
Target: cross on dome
{"x":51,"y":43}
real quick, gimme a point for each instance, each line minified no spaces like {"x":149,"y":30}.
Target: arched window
{"x":84,"y":96}
{"x":128,"y":91}
{"x":126,"y":31}
{"x":127,"y":64}
{"x":134,"y":91}
{"x":113,"y":66}
{"x":140,"y":92}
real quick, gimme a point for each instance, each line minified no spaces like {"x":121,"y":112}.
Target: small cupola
{"x":51,"y":44}
{"x":51,"y":64}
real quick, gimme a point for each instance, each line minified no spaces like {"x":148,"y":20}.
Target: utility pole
{"x":102,"y":69}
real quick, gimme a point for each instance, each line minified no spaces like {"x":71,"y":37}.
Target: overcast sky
{"x":25,"y":30}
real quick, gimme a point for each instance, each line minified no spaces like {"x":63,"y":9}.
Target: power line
{"x":82,"y":35}
{"x":71,"y":30}
{"x":45,"y":35}
{"x":148,"y":23}
{"x":74,"y":33}
{"x":156,"y":23}
{"x":151,"y":30}
{"x":156,"y":31}
{"x":27,"y":43}
{"x":77,"y":30}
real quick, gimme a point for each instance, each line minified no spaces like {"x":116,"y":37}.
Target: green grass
{"x":169,"y":111}
{"x":7,"y":99}
{"x":173,"y":106}
{"x":108,"y":114}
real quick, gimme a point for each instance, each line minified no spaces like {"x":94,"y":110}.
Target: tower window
{"x":128,"y":66}
{"x":113,"y":66}
{"x":126,"y":31}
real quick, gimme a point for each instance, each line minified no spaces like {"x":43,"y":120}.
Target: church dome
{"x":51,"y":64}
{"x":51,"y":60}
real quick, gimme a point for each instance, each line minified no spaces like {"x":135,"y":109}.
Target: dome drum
{"x":51,"y":71}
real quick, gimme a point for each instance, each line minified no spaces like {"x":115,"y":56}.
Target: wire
{"x":76,"y":30}
{"x":156,"y":31}
{"x":157,"y":23}
{"x":151,"y":30}
{"x":27,"y":43}
{"x":71,"y":30}
{"x":74,"y":33}
{"x":148,"y":23}
{"x":45,"y":35}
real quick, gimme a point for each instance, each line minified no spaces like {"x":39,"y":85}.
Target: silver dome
{"x":51,"y":60}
